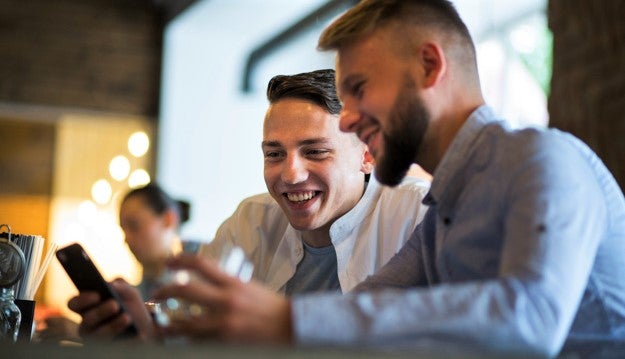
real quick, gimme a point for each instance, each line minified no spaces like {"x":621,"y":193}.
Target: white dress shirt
{"x":364,"y":238}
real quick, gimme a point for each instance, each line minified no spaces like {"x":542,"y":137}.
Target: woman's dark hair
{"x":316,"y":86}
{"x":159,"y":201}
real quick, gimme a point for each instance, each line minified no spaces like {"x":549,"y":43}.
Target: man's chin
{"x":301,"y":225}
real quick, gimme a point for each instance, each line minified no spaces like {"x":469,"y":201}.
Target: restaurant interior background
{"x":101,"y":96}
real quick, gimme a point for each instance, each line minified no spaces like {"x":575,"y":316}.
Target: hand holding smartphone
{"x":86,"y":277}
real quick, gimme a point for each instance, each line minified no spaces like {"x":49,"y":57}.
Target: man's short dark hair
{"x":317,"y":87}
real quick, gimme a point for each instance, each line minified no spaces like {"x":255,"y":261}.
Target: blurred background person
{"x":151,"y":221}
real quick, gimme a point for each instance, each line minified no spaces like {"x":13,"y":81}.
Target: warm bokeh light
{"x":116,"y":234}
{"x":73,"y":232}
{"x":107,"y":228}
{"x":86,"y":212}
{"x":138,"y":143}
{"x":101,"y":191}
{"x":119,"y":168}
{"x":117,"y":197}
{"x":138,"y":178}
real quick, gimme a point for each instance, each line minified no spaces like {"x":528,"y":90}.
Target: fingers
{"x":97,"y":319}
{"x":233,"y":311}
{"x":124,"y":290}
{"x":135,"y":307}
{"x":206,"y":288}
{"x":196,"y":291}
{"x":248,"y":314}
{"x":105,"y":319}
{"x":110,"y":329}
{"x":83,"y":301}
{"x":130,"y":296}
{"x":205,"y":267}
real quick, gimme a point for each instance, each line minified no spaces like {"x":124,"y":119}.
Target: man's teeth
{"x":299,"y":197}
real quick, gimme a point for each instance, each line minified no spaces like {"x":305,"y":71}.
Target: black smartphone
{"x":86,"y":277}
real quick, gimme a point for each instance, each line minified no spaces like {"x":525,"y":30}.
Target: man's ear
{"x":367,"y":162}
{"x":432,"y":58}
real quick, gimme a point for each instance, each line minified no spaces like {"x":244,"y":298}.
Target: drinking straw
{"x":34,"y":259}
{"x":42,"y":270}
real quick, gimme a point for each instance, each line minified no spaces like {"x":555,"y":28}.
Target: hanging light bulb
{"x":101,"y":191}
{"x":119,"y":168}
{"x":138,"y":177}
{"x":138,"y":143}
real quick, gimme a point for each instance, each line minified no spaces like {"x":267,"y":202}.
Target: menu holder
{"x":32,"y":270}
{"x":27,"y":307}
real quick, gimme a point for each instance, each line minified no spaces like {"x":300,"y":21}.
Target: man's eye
{"x":272,"y":155}
{"x":358,"y":89}
{"x":317,"y":153}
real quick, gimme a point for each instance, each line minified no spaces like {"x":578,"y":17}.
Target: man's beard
{"x":409,"y":121}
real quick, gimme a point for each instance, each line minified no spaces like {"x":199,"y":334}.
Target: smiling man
{"x":324,"y":224}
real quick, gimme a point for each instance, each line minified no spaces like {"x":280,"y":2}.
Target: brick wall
{"x":26,"y":157}
{"x":588,"y":84}
{"x":94,"y":54}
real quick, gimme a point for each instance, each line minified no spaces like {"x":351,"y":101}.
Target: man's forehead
{"x":319,"y":133}
{"x":304,"y":130}
{"x":298,"y":114}
{"x":353,"y":61}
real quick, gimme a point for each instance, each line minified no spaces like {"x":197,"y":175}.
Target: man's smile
{"x":300,"y":196}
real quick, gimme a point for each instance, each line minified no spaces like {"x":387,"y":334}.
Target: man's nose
{"x":294,"y":170}
{"x":349,"y":117}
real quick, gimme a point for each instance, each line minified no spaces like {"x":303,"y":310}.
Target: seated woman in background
{"x":151,"y":220}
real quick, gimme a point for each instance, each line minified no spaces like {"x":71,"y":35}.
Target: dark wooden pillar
{"x":588,"y":85}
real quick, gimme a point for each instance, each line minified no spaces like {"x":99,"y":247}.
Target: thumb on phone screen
{"x":135,"y":307}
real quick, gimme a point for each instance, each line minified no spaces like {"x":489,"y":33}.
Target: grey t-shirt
{"x":315,"y":272}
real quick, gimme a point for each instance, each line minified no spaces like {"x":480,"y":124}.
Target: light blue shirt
{"x":522,"y":249}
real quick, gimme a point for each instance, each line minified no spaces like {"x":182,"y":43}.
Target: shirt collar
{"x":343,"y":226}
{"x":444,"y":183}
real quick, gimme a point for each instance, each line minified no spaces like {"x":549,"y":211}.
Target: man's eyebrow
{"x":314,"y":141}
{"x":270,"y":144}
{"x":308,"y":141}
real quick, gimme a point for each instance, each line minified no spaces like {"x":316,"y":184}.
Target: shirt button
{"x":447,"y":221}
